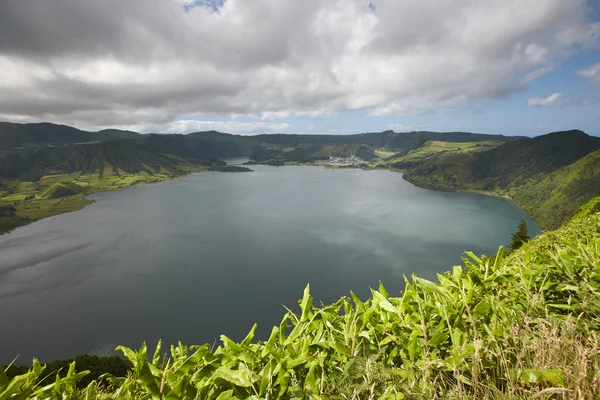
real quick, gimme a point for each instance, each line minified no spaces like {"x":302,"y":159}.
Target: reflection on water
{"x":215,"y":252}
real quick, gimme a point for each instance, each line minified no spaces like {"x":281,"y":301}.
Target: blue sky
{"x":516,"y":67}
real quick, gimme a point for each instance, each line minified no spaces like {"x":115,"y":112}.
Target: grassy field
{"x":33,"y":202}
{"x":429,"y":150}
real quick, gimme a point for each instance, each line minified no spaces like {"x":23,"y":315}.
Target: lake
{"x":213,"y":253}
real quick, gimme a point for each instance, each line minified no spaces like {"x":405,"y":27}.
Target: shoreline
{"x":88,"y":201}
{"x":479,"y":192}
{"x":84,"y":198}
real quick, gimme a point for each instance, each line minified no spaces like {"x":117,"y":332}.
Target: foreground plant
{"x":523,"y":325}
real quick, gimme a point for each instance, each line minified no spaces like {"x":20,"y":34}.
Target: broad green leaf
{"x":239,"y":377}
{"x":228,"y":395}
{"x":156,"y":356}
{"x":383,"y":302}
{"x":306,"y":303}
{"x":310,"y":383}
{"x":482,"y":309}
{"x":438,"y":338}
{"x":248,"y":339}
{"x":382,"y":290}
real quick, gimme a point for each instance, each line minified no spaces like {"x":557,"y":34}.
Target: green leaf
{"x":250,"y":336}
{"x":306,"y":303}
{"x":129,"y":354}
{"x":90,"y":391}
{"x":310,"y":383}
{"x":156,"y":357}
{"x":439,"y":338}
{"x":228,"y":395}
{"x":382,"y":290}
{"x":383,"y":302}
{"x":239,"y":377}
{"x":412,"y":345}
{"x":432,"y":287}
{"x":531,"y":376}
{"x":555,"y":377}
{"x":482,"y":309}
{"x":3,"y":380}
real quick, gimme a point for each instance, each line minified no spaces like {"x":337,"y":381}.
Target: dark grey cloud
{"x":142,"y":64}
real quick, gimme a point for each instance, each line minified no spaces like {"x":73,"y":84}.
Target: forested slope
{"x":550,"y":176}
{"x":554,"y":198}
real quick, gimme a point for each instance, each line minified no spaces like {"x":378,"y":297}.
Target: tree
{"x":519,"y":237}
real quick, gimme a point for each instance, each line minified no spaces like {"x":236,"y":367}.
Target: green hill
{"x":555,"y":198}
{"x":62,"y":189}
{"x":522,"y":325}
{"x":511,"y":164}
{"x":550,"y":176}
{"x":33,"y":164}
{"x":42,"y":134}
{"x":313,"y":153}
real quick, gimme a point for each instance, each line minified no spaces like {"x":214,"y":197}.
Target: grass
{"x":430,"y":150}
{"x":35,"y":200}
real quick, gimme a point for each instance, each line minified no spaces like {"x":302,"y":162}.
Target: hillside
{"x":387,"y":139}
{"x":554,"y":199}
{"x":39,"y":182}
{"x":32,"y":165}
{"x":42,"y":134}
{"x":522,"y":325}
{"x":530,"y":171}
{"x":511,"y":164}
{"x":61,"y":189}
{"x":212,"y":144}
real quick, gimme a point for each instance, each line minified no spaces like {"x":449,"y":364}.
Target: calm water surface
{"x":215,"y":252}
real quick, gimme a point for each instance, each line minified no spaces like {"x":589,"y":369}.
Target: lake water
{"x":214,"y":252}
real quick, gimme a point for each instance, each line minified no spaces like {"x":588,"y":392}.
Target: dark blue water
{"x":215,"y":252}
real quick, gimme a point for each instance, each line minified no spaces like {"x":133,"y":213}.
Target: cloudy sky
{"x":309,"y":66}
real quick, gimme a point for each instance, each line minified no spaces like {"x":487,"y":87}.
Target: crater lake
{"x":213,"y":253}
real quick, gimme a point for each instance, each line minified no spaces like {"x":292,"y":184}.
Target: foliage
{"x":549,"y":176}
{"x":519,"y":237}
{"x":61,"y":189}
{"x":522,"y":325}
{"x":553,"y":199}
{"x":96,"y":365}
{"x":513,"y":163}
{"x":230,"y":168}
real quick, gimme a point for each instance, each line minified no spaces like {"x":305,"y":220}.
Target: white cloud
{"x":400,"y":127}
{"x":552,"y":100}
{"x":591,"y":72}
{"x":114,"y":63}
{"x":188,"y":126}
{"x":558,"y":100}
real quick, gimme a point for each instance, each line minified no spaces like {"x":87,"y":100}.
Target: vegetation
{"x":519,"y":237}
{"x":549,"y":176}
{"x":513,"y":326}
{"x":25,"y":202}
{"x":553,"y":198}
{"x":265,"y":154}
{"x":230,"y":168}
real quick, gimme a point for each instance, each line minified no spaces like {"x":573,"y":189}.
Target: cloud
{"x":591,"y":73}
{"x":188,"y":126}
{"x":114,"y":63}
{"x":552,"y":100}
{"x":400,"y":127}
{"x":557,"y":99}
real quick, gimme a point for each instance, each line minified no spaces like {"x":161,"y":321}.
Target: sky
{"x":516,"y":67}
